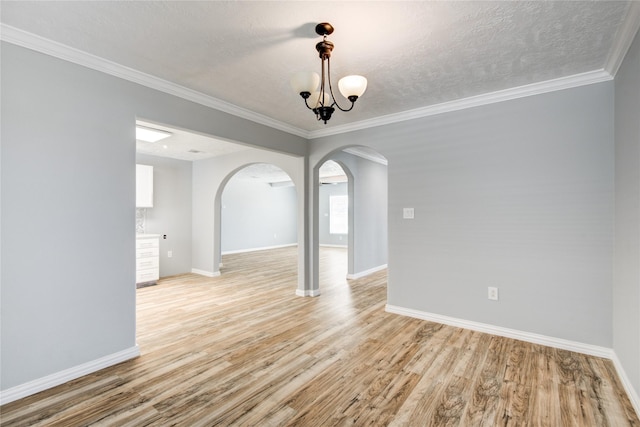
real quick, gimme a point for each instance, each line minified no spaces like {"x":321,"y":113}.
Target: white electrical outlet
{"x":493,"y":293}
{"x":169,"y":254}
{"x":407,"y":213}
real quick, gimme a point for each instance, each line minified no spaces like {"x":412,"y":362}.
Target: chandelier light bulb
{"x":305,"y":81}
{"x":316,"y":100}
{"x":352,"y":86}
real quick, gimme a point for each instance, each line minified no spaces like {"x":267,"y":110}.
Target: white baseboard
{"x":366,"y":272}
{"x":334,"y":246}
{"x":265,"y":248}
{"x":44,"y":383}
{"x":626,"y":382}
{"x":308,"y":292}
{"x":205,"y":272}
{"x":592,"y":350}
{"x":560,"y":343}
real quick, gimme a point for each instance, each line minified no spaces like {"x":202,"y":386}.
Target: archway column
{"x":217,"y":235}
{"x":308,"y":280}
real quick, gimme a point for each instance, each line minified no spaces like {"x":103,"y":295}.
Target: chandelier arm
{"x":342,"y":109}
{"x":305,"y":102}
{"x":335,"y":102}
{"x":326,"y":103}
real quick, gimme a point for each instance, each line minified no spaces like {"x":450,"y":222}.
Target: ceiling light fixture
{"x":150,"y":135}
{"x":319,"y":100}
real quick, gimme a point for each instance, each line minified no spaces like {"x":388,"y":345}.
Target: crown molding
{"x":58,"y":50}
{"x":576,"y":80}
{"x":358,"y":152}
{"x":623,"y":39}
{"x":61,"y":51}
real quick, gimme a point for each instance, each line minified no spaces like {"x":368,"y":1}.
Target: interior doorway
{"x":365,"y":186}
{"x":258,"y":212}
{"x":190,"y":173}
{"x":333,"y":224}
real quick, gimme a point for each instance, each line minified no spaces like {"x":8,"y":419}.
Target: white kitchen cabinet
{"x":147,"y":258}
{"x":144,"y":186}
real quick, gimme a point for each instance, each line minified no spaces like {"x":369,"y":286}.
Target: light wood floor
{"x":242,"y":349}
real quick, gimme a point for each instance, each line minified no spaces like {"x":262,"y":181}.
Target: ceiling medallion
{"x":306,"y":83}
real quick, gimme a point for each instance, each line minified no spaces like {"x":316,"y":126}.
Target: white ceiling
{"x":415,"y":54}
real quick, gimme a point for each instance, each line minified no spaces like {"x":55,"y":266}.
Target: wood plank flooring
{"x":243,"y":350}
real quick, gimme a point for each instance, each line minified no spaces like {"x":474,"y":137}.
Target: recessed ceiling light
{"x":150,"y":135}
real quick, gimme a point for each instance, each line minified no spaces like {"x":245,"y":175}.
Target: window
{"x":338,"y":215}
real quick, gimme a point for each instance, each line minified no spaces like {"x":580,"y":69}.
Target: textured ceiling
{"x":414,"y":54}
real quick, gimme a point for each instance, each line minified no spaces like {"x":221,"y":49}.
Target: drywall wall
{"x":256,"y":215}
{"x":210,"y":176}
{"x":516,"y":195}
{"x":626,"y":284}
{"x":170,"y":215}
{"x":68,"y":210}
{"x":68,"y":217}
{"x":368,"y":223}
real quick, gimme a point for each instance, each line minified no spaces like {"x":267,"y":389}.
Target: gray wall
{"x":368,"y":200}
{"x":171,"y":211}
{"x":626,"y":285}
{"x":68,"y":207}
{"x":256,"y":215}
{"x":517,"y":195}
{"x":68,"y":219}
{"x":326,"y":191}
{"x":210,"y":176}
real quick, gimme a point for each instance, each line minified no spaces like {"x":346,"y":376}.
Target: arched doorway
{"x":258,"y":214}
{"x":194,"y":244}
{"x":333,"y":223}
{"x":215,"y":180}
{"x":367,"y":202}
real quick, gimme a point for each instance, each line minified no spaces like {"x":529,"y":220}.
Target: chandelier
{"x":321,"y":100}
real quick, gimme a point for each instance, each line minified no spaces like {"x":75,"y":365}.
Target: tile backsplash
{"x":141,"y":216}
